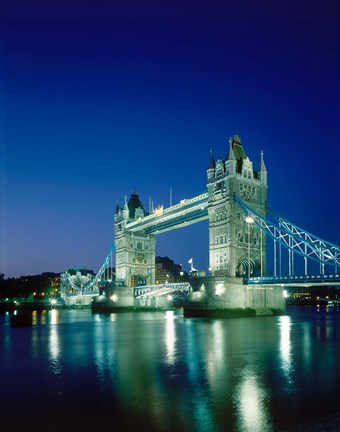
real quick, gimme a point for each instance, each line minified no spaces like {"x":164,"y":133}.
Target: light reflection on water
{"x":251,"y":403}
{"x":54,"y":343}
{"x":163,"y":372}
{"x":285,"y":347}
{"x":170,"y":337}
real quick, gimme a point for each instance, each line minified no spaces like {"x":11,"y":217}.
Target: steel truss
{"x":294,"y":238}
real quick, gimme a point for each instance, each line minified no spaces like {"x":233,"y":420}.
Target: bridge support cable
{"x":294,"y":239}
{"x":88,"y":287}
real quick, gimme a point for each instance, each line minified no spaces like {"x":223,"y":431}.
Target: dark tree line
{"x":24,"y":286}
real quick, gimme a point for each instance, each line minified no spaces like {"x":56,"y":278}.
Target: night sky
{"x":99,"y":98}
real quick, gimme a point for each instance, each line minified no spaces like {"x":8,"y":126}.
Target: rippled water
{"x":159,"y":371}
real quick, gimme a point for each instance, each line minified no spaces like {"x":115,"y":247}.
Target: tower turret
{"x":125,"y":211}
{"x":263,"y":171}
{"x":230,"y":162}
{"x":211,"y":167}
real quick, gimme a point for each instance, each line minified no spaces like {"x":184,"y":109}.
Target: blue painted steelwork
{"x":313,"y":279}
{"x":178,"y":220}
{"x":294,"y":238}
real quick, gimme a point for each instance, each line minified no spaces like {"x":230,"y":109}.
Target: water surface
{"x":159,"y":371}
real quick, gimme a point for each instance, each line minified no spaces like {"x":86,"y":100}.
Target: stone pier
{"x":230,"y":297}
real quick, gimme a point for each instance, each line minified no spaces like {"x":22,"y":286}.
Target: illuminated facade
{"x":236,"y":245}
{"x":135,"y":251}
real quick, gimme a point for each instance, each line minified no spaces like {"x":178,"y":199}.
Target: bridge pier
{"x":226,"y":297}
{"x":158,"y":303}
{"x":123,"y":299}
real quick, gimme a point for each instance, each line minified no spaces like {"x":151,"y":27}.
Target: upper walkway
{"x":188,"y":211}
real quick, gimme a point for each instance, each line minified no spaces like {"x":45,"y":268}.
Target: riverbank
{"x":29,"y":306}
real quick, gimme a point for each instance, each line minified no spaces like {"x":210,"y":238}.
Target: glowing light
{"x":159,"y":211}
{"x":285,"y":293}
{"x":219,"y":289}
{"x":53,"y":302}
{"x":114,"y":297}
{"x":249,"y":220}
{"x":169,"y":297}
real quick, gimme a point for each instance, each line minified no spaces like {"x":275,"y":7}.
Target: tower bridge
{"x":240,"y":225}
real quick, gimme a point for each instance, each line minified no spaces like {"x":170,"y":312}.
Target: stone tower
{"x":236,"y":246}
{"x":135,"y":251}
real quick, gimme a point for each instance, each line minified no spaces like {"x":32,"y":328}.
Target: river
{"x":157,"y":371}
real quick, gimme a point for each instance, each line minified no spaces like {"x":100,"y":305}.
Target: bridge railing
{"x":291,"y":279}
{"x":146,"y":289}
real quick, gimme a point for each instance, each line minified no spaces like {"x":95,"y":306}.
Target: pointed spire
{"x":262,"y":164}
{"x":236,"y":138}
{"x":263,"y":171}
{"x":212,"y":160}
{"x":117,"y":208}
{"x":231,"y":155}
{"x":125,"y":209}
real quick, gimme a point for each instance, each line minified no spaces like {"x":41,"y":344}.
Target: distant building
{"x":168,"y":272}
{"x":36,"y":286}
{"x":312,"y":294}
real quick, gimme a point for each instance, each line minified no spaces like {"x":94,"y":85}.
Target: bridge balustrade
{"x":172,"y":287}
{"x":291,"y":279}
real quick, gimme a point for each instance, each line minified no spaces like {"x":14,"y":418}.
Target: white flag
{"x":190,"y":261}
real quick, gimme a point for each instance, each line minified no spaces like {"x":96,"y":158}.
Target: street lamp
{"x":249,"y":220}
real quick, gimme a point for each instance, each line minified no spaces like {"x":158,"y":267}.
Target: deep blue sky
{"x":101,"y":97}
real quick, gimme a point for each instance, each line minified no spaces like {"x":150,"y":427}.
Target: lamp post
{"x":249,"y":221}
{"x":261,"y":251}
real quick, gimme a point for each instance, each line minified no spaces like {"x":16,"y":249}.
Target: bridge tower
{"x":236,"y":246}
{"x":135,"y":251}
